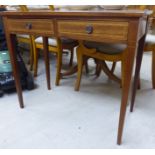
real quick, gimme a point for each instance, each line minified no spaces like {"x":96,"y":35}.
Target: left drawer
{"x":31,"y":26}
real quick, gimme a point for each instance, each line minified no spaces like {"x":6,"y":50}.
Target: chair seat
{"x":30,"y":7}
{"x":106,"y":47}
{"x":53,"y":42}
{"x":150,"y":39}
{"x":68,"y":41}
{"x":23,"y":36}
{"x":74,"y":7}
{"x":38,"y":7}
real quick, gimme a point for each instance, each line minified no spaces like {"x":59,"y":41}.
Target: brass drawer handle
{"x":28,"y":26}
{"x":89,"y":29}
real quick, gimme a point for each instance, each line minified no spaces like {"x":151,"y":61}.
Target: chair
{"x":149,"y":46}
{"x":67,"y":44}
{"x":108,"y":52}
{"x":28,"y":39}
{"x":55,"y":46}
{"x":101,"y":52}
{"x":149,"y":41}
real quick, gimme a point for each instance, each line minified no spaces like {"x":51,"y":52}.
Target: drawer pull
{"x":89,"y":29}
{"x":28,"y":26}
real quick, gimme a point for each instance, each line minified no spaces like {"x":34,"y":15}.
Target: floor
{"x":63,"y":118}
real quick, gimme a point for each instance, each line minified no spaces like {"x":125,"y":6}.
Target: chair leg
{"x":71,"y":57}
{"x":80,"y":67}
{"x":85,"y":61}
{"x":98,"y":68}
{"x":153,"y":69}
{"x":59,"y":64}
{"x":31,"y":57}
{"x":109,"y":73}
{"x":113,"y":67}
{"x":36,"y":52}
{"x":46,"y":60}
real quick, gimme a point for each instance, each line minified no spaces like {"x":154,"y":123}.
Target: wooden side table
{"x":119,"y":26}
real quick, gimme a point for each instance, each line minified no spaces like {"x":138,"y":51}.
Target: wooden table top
{"x":77,"y":13}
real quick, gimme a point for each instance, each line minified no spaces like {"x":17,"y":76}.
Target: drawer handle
{"x":89,"y":29}
{"x":28,"y":26}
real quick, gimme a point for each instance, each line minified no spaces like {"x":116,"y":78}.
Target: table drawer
{"x":94,"y":30}
{"x":38,"y":26}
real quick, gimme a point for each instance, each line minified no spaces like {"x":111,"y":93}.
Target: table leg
{"x":46,"y":59}
{"x":12,"y":46}
{"x":127,"y":66}
{"x":137,"y":71}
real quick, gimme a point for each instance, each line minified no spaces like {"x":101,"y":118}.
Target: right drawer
{"x":94,"y":30}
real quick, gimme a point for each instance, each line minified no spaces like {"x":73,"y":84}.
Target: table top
{"x":76,"y":13}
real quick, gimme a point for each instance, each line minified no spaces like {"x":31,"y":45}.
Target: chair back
{"x":151,"y":27}
{"x":26,"y":8}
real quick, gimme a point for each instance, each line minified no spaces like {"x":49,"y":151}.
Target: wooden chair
{"x":109,"y":52}
{"x":55,"y":46}
{"x":101,"y":52}
{"x":149,"y":41}
{"x":28,"y":39}
{"x":149,"y":46}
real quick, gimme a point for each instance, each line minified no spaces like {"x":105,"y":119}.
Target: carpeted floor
{"x":63,"y":118}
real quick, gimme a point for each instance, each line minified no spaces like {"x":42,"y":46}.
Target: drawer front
{"x":38,"y":26}
{"x":94,"y":30}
